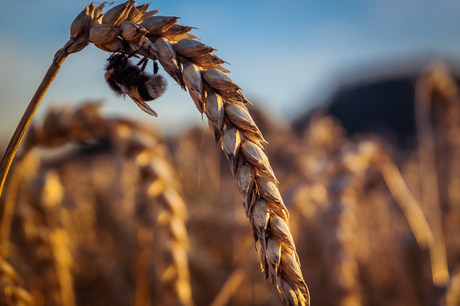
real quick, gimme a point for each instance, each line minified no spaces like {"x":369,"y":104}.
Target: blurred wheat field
{"x":101,"y":211}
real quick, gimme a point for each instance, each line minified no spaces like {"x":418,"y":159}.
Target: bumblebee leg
{"x":143,"y":61}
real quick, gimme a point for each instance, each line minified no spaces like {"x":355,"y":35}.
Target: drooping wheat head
{"x":126,"y":28}
{"x":130,"y":30}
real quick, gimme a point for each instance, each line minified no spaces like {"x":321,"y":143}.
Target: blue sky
{"x":282,"y":53}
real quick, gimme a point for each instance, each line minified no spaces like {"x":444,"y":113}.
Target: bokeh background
{"x":101,"y":205}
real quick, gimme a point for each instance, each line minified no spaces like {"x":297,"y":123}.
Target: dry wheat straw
{"x":79,"y":38}
{"x":13,"y":145}
{"x":193,"y":66}
{"x":445,"y":101}
{"x":406,"y":201}
{"x":229,"y":288}
{"x":376,"y":157}
{"x":429,"y":176}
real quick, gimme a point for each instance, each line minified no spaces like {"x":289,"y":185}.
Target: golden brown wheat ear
{"x":110,"y":200}
{"x":11,"y":290}
{"x":131,"y":30}
{"x":40,"y":246}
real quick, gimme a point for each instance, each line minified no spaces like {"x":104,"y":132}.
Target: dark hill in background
{"x":379,"y":100}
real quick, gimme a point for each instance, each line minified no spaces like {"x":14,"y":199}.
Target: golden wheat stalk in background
{"x":370,"y":165}
{"x":340,"y":242}
{"x":48,"y":254}
{"x":165,"y":223}
{"x":159,"y":209}
{"x":132,"y":30}
{"x":373,"y":155}
{"x":12,"y":293}
{"x":425,"y":87}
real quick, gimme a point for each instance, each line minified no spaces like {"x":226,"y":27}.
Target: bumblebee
{"x":125,"y":78}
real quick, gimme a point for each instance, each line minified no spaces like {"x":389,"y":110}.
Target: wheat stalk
{"x":132,"y":30}
{"x":13,"y":145}
{"x":376,"y":156}
{"x":429,"y":176}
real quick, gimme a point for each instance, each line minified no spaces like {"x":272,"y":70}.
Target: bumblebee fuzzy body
{"x":124,"y":78}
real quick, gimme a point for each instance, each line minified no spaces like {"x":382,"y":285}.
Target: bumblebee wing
{"x":144,"y":106}
{"x":134,"y":94}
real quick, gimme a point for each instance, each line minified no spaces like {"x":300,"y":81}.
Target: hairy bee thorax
{"x":125,"y":78}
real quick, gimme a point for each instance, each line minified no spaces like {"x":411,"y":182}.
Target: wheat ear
{"x":132,"y":30}
{"x":11,"y":291}
{"x":221,"y":100}
{"x":52,"y":195}
{"x":193,"y":66}
{"x":160,"y":210}
{"x":340,"y":222}
{"x":48,"y":252}
{"x":165,"y":221}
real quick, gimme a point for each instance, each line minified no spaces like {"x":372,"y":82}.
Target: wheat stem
{"x":10,"y":152}
{"x":407,"y":202}
{"x":429,"y":179}
{"x":230,"y":287}
{"x":8,"y":210}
